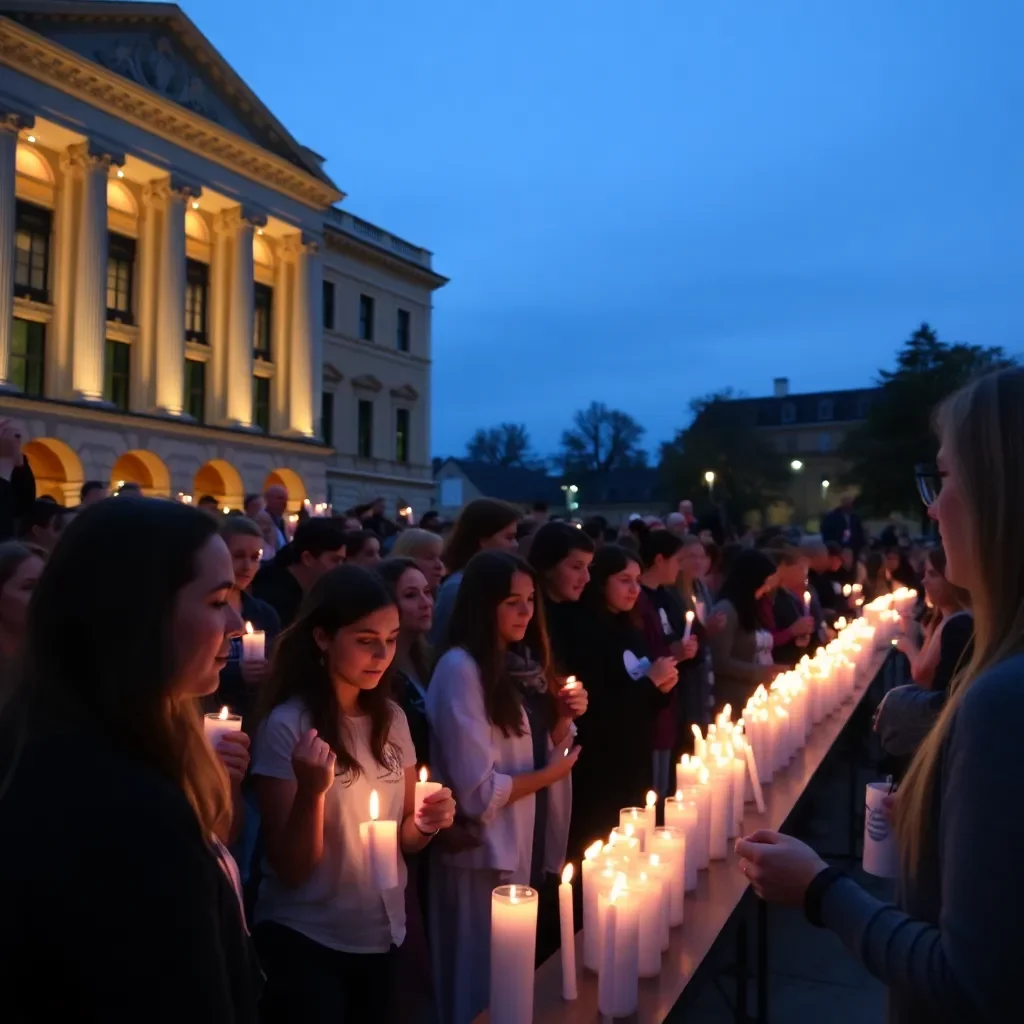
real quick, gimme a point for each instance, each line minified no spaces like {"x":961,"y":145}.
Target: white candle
{"x":380,"y":849}
{"x":253,"y":644}
{"x":624,"y":841}
{"x":669,"y":844}
{"x":721,"y":812}
{"x":217,"y":723}
{"x":688,"y":771}
{"x":755,"y":782}
{"x":513,"y":949}
{"x":700,"y":746}
{"x":593,"y":869}
{"x":647,"y":892}
{"x":651,"y":813}
{"x":739,"y":781}
{"x":568,"y":929}
{"x":618,"y":988}
{"x":689,"y":627}
{"x":636,"y":819}
{"x":807,"y":602}
{"x":700,"y":794}
{"x":424,"y":788}
{"x":683,"y":814}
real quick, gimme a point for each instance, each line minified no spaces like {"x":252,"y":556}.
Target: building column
{"x":10,"y":125}
{"x":169,"y":366}
{"x":305,"y":350}
{"x":89,"y":325}
{"x":239,"y":387}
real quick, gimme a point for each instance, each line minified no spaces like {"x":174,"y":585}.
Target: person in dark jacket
{"x":626,"y":693}
{"x":844,"y":526}
{"x":129,"y":625}
{"x":17,"y":484}
{"x":318,"y":547}
{"x":794,"y":623}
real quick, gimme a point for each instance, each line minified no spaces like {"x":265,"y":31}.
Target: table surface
{"x":708,"y":908}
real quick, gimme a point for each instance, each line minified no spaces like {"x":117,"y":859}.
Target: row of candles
{"x":634,"y":884}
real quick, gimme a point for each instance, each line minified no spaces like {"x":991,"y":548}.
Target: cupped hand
{"x":689,"y":649}
{"x":779,"y":867}
{"x":574,"y":701}
{"x":561,"y":762}
{"x":664,"y":674}
{"x":437,"y":811}
{"x":233,"y":751}
{"x":313,"y":763}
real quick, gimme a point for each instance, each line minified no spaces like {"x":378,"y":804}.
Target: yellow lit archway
{"x":291,"y":482}
{"x":57,"y":469}
{"x":220,"y":479}
{"x":142,"y":468}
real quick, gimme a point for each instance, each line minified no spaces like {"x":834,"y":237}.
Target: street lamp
{"x":796,"y":465}
{"x":571,"y":504}
{"x":709,"y":479}
{"x":825,"y":484}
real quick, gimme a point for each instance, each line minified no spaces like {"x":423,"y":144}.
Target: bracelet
{"x":429,"y":835}
{"x":820,"y":884}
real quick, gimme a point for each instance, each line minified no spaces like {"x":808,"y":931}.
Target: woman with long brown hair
{"x":330,"y":737}
{"x":951,"y":951}
{"x":485,"y":524}
{"x":502,"y":738}
{"x":120,"y":901}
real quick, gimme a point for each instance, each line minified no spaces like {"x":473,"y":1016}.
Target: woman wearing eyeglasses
{"x":950,"y":950}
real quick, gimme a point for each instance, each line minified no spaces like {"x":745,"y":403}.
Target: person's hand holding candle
{"x":437,"y":812}
{"x":233,"y":750}
{"x":573,"y":698}
{"x":664,"y":674}
{"x":779,"y":867}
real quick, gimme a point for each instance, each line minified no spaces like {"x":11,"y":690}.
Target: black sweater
{"x":114,"y":907}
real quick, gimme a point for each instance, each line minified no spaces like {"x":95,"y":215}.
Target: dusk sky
{"x":643,"y":202}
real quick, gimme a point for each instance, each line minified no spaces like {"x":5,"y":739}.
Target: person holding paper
{"x":950,"y":950}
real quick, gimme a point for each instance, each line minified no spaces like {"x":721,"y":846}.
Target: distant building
{"x":183,"y":305}
{"x":808,"y":429}
{"x":613,"y":495}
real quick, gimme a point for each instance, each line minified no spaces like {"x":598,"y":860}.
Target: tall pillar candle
{"x":688,"y":771}
{"x":597,"y":878}
{"x":380,"y":849}
{"x":683,"y":814}
{"x":656,"y":867}
{"x":647,"y":892}
{"x":700,"y":794}
{"x":568,"y":934}
{"x":739,"y":782}
{"x":513,"y":950}
{"x":669,"y":844}
{"x":254,"y":644}
{"x":721,"y":813}
{"x":618,"y":989}
{"x":635,"y":818}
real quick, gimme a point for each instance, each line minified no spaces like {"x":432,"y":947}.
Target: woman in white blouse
{"x":326,"y":938}
{"x":502,"y":738}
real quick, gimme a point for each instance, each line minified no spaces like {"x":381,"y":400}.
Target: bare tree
{"x":601,"y":440}
{"x":505,"y":445}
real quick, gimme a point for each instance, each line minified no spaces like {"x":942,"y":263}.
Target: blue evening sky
{"x":640,"y":202}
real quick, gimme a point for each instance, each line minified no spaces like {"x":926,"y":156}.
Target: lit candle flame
{"x":593,"y":851}
{"x":655,"y":859}
{"x":727,"y":713}
{"x":223,"y":716}
{"x":696,"y":731}
{"x":374,"y":806}
{"x":679,"y":794}
{"x":689,"y":617}
{"x":248,"y":628}
{"x":629,"y":830}
{"x":423,"y":774}
{"x":652,"y":798}
{"x":567,"y":874}
{"x":571,"y":683}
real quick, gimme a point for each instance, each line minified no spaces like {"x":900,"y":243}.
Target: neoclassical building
{"x":183,"y":302}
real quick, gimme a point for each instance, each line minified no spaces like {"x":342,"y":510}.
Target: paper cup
{"x":881,"y":854}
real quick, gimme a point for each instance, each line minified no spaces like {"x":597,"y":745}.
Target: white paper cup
{"x":881,"y":854}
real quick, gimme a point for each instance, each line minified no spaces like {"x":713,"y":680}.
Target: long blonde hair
{"x":981,"y":428}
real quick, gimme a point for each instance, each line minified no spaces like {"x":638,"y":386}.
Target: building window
{"x":825,"y":409}
{"x":329,"y":305}
{"x":195,"y":389}
{"x":403,"y":330}
{"x":788,"y":412}
{"x":261,"y":403}
{"x":364,"y":433}
{"x":327,"y":417}
{"x":402,"y":435}
{"x":28,"y":347}
{"x":32,"y":252}
{"x":263,"y":305}
{"x":197,"y":284}
{"x":117,"y":374}
{"x":365,"y":318}
{"x":120,"y":270}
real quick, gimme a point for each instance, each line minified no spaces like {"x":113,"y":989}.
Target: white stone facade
{"x":180,"y":296}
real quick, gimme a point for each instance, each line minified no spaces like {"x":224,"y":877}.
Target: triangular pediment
{"x":367,"y":382}
{"x":406,"y":392}
{"x":332,"y":375}
{"x":156,"y":46}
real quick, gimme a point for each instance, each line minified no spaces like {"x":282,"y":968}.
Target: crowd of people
{"x":546,"y":672}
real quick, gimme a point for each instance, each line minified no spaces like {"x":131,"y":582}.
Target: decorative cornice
{"x":332,"y":375}
{"x":367,"y":382}
{"x":338,"y":241}
{"x":406,"y":392}
{"x":92,"y":154}
{"x":46,"y":61}
{"x":162,"y":189}
{"x":232,"y":218}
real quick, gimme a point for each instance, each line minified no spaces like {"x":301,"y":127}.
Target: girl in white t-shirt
{"x":332,"y":737}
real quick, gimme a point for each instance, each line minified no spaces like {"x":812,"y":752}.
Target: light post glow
{"x":796,"y":465}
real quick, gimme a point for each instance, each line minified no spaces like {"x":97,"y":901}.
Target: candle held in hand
{"x":424,"y":788}
{"x":689,"y":627}
{"x":380,"y":849}
{"x":217,"y":723}
{"x":807,"y":602}
{"x":254,"y":644}
{"x":568,"y":934}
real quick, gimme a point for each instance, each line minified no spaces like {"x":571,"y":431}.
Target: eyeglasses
{"x":929,"y":483}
